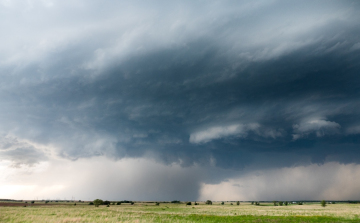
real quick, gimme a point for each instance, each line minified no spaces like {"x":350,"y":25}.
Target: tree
{"x":98,"y":202}
{"x":238,"y":203}
{"x":157,"y":203}
{"x":275,"y":203}
{"x":222,"y":203}
{"x":118,"y":203}
{"x":252,"y":202}
{"x":323,"y":203}
{"x":106,"y":202}
{"x":188,"y":203}
{"x":281,"y":203}
{"x":209,"y":202}
{"x":286,"y":203}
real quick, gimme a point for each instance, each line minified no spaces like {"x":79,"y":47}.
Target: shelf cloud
{"x":230,"y":86}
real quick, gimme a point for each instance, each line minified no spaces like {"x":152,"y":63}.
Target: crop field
{"x":168,"y":212}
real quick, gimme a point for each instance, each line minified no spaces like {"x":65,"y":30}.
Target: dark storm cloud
{"x":231,"y":84}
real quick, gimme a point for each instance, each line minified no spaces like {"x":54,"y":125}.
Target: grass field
{"x":166,"y":212}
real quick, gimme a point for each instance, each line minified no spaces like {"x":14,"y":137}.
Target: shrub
{"x":195,"y":203}
{"x":275,"y":203}
{"x":286,"y":203}
{"x":91,"y":203}
{"x":118,"y":203}
{"x":175,"y":202}
{"x":106,"y":203}
{"x":281,"y":203}
{"x":132,"y":203}
{"x":32,"y":202}
{"x":75,"y":204}
{"x":98,"y":202}
{"x":208,"y":202}
{"x":231,"y":203}
{"x":323,"y":203}
{"x":157,"y":203}
{"x":238,"y":203}
{"x":257,"y":203}
{"x":252,"y":202}
{"x":188,"y":203}
{"x":300,"y":203}
{"x":222,"y":203}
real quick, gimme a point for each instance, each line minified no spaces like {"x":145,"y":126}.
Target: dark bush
{"x":91,"y":203}
{"x":300,"y":203}
{"x":286,"y":203}
{"x":132,"y":203}
{"x":196,"y":203}
{"x":75,"y":204}
{"x":118,"y":203}
{"x":32,"y":202}
{"x":252,"y":202}
{"x":208,"y":202}
{"x":157,"y":203}
{"x":222,"y":203}
{"x":188,"y":203}
{"x":323,"y":203}
{"x":106,"y":203}
{"x":175,"y":202}
{"x":257,"y":203}
{"x":275,"y":203}
{"x":125,"y":201}
{"x":281,"y":203}
{"x":238,"y":203}
{"x":231,"y":203}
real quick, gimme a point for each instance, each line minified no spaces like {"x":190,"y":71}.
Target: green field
{"x":166,"y":212}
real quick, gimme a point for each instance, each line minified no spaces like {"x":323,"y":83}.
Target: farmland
{"x":168,"y":212}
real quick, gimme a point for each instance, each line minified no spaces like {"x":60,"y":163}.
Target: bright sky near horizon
{"x":180,"y":100}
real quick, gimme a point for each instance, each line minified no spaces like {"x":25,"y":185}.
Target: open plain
{"x":168,"y":212}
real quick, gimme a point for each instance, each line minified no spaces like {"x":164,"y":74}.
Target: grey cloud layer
{"x":235,"y":84}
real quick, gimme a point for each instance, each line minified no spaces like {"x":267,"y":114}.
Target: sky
{"x":180,"y":100}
